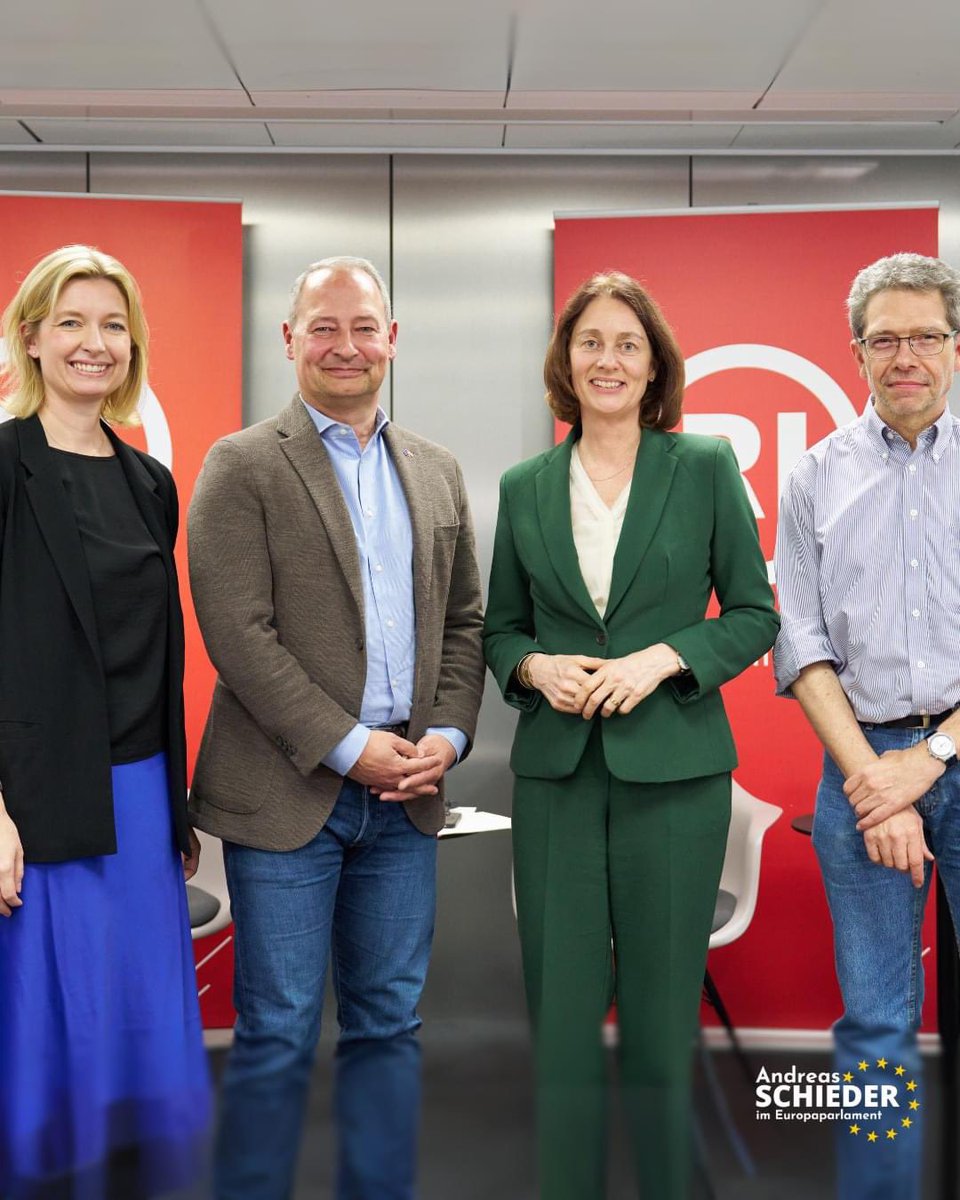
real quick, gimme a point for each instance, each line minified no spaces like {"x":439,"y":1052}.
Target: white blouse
{"x":596,"y":530}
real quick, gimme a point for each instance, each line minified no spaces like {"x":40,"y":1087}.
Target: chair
{"x":750,"y":819}
{"x":207,"y":894}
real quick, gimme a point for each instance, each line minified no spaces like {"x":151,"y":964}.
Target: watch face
{"x":941,"y":746}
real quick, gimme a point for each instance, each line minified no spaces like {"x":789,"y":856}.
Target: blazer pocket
{"x":446,"y":533}
{"x":237,"y":761}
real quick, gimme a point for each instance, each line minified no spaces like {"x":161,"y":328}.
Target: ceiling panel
{"x":298,"y":45}
{"x":621,"y":137}
{"x":385,"y":135}
{"x":840,"y":137}
{"x":597,"y":102}
{"x":12,"y":133}
{"x":800,"y":75}
{"x":392,"y":101}
{"x":858,"y":45}
{"x":111,"y":132}
{"x":683,"y":46}
{"x":941,"y":104}
{"x":113,"y":102}
{"x":951,"y":130}
{"x":110,"y":44}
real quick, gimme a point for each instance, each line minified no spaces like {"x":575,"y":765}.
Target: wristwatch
{"x":942,"y":747}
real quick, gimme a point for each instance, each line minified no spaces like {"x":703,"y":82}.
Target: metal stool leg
{"x":714,"y":999}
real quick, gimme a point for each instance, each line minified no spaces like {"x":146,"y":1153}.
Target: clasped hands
{"x":882,"y":795}
{"x":579,"y":683}
{"x":396,"y":769}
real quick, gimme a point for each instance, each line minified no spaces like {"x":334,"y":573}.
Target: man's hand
{"x":191,"y":861}
{"x":899,"y":843}
{"x":560,"y":677}
{"x":892,"y":783}
{"x":11,"y":865}
{"x":437,"y":756}
{"x":385,"y":760}
{"x":621,"y":683}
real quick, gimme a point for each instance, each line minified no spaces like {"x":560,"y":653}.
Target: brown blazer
{"x":276,"y":583}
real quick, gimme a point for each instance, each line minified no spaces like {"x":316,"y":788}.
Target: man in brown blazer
{"x":334,"y":575}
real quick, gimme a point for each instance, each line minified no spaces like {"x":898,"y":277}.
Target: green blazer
{"x":688,"y":531}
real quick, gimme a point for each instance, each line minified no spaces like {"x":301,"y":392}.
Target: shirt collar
{"x":325,"y":424}
{"x":934,"y":438}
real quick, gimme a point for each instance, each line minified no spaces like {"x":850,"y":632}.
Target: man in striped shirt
{"x":868,"y":571}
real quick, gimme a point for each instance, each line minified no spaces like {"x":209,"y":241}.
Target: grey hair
{"x":906,"y":272}
{"x":339,"y":262}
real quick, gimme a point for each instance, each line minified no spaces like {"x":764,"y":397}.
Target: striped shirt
{"x":868,"y":567}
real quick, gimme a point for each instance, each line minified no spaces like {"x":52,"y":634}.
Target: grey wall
{"x":466,"y":243}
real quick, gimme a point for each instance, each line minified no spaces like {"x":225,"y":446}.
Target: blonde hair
{"x":37,"y":297}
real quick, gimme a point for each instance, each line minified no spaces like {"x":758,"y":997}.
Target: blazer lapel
{"x":652,"y":476}
{"x":417,"y":491}
{"x":304,"y":448}
{"x":58,"y":526}
{"x":556,"y":524}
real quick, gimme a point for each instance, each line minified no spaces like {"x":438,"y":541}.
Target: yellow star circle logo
{"x":889,"y":1123}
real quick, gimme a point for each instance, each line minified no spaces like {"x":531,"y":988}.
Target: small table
{"x":473,"y":820}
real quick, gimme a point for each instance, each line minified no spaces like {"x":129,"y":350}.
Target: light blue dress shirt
{"x":381,"y":524}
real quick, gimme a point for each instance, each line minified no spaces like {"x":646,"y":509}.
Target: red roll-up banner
{"x":756,"y":299}
{"x":187,"y":258}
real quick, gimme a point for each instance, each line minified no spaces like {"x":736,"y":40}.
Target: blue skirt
{"x":104,"y":1090}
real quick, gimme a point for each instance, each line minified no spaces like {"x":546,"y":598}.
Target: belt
{"x":399,"y":730}
{"x":913,"y":721}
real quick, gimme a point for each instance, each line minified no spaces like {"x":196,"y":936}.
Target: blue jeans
{"x":363,"y":893}
{"x":877,"y":914}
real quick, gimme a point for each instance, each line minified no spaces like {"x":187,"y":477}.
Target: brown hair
{"x":663,"y":400}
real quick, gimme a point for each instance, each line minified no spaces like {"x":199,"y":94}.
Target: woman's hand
{"x":11,"y":865}
{"x":621,"y":683}
{"x":562,"y":677}
{"x":192,"y":860}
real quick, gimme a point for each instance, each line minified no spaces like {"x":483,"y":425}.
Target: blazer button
{"x":601,"y":639}
{"x":359,"y":643}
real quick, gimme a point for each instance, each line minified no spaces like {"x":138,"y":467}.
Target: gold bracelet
{"x":522,"y":672}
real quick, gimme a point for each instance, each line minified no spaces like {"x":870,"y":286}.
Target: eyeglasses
{"x":885,"y":345}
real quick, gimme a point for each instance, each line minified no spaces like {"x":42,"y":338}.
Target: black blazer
{"x":54,"y":734}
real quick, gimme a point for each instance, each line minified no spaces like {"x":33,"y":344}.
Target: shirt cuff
{"x":796,"y":649}
{"x":456,"y":737}
{"x":346,"y":752}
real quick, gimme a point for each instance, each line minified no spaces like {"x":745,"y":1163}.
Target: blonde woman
{"x":105,"y":1089}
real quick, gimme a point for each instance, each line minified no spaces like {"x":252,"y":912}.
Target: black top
{"x":129,"y":587}
{"x":54,"y":726}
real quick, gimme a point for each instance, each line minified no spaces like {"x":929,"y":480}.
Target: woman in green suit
{"x":608,"y":549}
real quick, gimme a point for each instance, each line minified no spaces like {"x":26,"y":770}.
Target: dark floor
{"x":477,"y":1139}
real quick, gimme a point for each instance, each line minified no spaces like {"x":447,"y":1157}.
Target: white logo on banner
{"x":155,"y":426}
{"x":791,"y":426}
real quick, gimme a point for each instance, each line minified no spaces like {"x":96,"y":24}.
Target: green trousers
{"x":598,"y":863}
